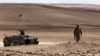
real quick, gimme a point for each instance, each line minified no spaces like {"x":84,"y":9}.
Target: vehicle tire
{"x":36,"y":42}
{"x":7,"y":41}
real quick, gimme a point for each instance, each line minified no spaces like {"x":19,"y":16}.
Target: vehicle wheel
{"x":36,"y":42}
{"x":7,"y":41}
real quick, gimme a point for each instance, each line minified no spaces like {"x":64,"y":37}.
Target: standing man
{"x":77,"y":33}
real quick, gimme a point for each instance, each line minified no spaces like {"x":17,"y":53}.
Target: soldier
{"x":22,"y":32}
{"x":77,"y":33}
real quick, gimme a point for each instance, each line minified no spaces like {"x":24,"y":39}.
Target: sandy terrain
{"x":53,"y":26}
{"x":54,"y":43}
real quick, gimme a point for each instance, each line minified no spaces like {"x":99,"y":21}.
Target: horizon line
{"x":51,"y":3}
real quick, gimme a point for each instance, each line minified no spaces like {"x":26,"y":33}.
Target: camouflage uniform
{"x":77,"y":33}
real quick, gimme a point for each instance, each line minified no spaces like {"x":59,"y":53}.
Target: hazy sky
{"x":52,"y":1}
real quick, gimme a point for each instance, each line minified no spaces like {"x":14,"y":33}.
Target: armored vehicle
{"x":20,"y":39}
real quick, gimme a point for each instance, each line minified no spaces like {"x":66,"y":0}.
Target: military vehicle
{"x":21,"y":39}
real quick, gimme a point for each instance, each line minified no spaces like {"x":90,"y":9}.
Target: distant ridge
{"x":48,"y":15}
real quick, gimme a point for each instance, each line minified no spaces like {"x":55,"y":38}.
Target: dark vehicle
{"x":20,"y":39}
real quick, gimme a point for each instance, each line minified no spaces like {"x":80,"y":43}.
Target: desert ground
{"x":53,"y":25}
{"x":55,"y":43}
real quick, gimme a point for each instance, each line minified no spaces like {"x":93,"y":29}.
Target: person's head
{"x":77,"y":25}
